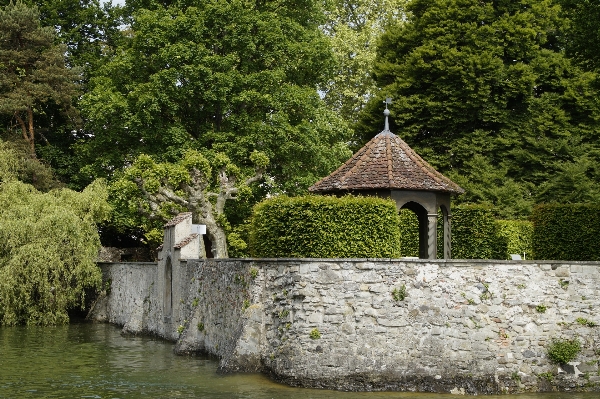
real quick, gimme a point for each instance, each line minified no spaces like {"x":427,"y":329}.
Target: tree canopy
{"x":354,"y":28}
{"x":232,"y":77}
{"x":485,"y":87}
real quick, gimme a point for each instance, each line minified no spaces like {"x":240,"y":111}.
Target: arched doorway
{"x":168,"y":297}
{"x":422,"y":220}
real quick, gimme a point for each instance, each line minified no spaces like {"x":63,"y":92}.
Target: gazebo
{"x":387,"y":167}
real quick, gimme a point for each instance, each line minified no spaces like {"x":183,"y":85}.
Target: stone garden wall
{"x":443,"y":326}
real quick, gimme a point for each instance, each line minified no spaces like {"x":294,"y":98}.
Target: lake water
{"x":85,"y":360}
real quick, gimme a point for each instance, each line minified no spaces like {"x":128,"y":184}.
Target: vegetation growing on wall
{"x":325,"y":227}
{"x":566,"y":232}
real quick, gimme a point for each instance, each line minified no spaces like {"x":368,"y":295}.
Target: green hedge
{"x":475,"y":233}
{"x":518,"y":235}
{"x":325,"y":227}
{"x":409,"y":233}
{"x":566,"y":232}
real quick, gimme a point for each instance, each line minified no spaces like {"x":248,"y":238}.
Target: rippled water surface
{"x":95,"y":361}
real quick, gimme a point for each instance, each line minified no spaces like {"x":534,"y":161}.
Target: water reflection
{"x":95,"y":361}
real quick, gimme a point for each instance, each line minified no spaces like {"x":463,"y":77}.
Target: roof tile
{"x":386,"y":162}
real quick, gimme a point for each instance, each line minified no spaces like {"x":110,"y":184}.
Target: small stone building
{"x":181,"y":241}
{"x":387,"y":167}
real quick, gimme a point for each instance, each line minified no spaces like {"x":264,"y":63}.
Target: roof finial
{"x":386,"y":112}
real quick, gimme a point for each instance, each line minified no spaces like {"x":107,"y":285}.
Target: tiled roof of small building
{"x":185,"y":241}
{"x":386,"y":162}
{"x":178,"y":219}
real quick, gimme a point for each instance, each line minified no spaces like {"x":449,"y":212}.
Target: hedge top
{"x":386,"y":162}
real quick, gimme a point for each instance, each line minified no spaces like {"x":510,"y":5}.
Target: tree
{"x":16,"y":163}
{"x":584,"y":33}
{"x":486,"y":79}
{"x":354,"y":28}
{"x":32,"y":69}
{"x":88,"y":28}
{"x":150,"y":193}
{"x":232,"y":77}
{"x":48,"y":247}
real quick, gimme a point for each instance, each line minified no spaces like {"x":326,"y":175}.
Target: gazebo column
{"x":432,"y":235}
{"x":447,"y":237}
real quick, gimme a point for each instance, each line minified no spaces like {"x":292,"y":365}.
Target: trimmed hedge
{"x":325,"y":227}
{"x":566,"y":232}
{"x":409,"y":233}
{"x":475,"y":233}
{"x":518,"y":235}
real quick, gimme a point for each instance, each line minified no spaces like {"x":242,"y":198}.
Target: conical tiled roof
{"x":386,"y":162}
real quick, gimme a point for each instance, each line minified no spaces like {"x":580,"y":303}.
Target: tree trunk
{"x":218,"y":239}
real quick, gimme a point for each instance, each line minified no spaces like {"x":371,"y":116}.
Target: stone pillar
{"x":432,"y":235}
{"x":447,"y":237}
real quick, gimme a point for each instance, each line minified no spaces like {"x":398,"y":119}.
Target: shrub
{"x":566,"y":232}
{"x":564,"y":350}
{"x":325,"y":227}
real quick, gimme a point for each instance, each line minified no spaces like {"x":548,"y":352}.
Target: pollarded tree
{"x":48,"y":247}
{"x":32,"y":69}
{"x":490,"y":79}
{"x":231,"y":76}
{"x":150,"y":193}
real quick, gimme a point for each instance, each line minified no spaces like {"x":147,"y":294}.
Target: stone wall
{"x":441,"y":326}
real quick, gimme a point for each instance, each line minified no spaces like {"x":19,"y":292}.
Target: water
{"x":94,"y":361}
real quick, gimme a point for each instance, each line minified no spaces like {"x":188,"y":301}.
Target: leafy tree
{"x":584,"y":33}
{"x":232,"y":77}
{"x":48,"y":247}
{"x":483,"y":87}
{"x":150,"y":193}
{"x":353,"y":28}
{"x":32,"y":69}
{"x":88,"y":28}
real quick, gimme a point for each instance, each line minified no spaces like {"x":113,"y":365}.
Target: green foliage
{"x":353,"y":28}
{"x":584,"y":31}
{"x":399,"y":294}
{"x":148,"y":193}
{"x":566,"y":232}
{"x":325,"y":227}
{"x":585,"y":322}
{"x":563,"y":350}
{"x":314,"y":334}
{"x":409,"y":233}
{"x":541,"y":308}
{"x":33,"y":72}
{"x":48,"y":247}
{"x":16,"y":163}
{"x":485,"y":93}
{"x":232,"y":76}
{"x":475,"y":233}
{"x":518,"y":236}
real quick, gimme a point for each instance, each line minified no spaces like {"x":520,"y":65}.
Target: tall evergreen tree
{"x":33,"y":72}
{"x":486,"y":86}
